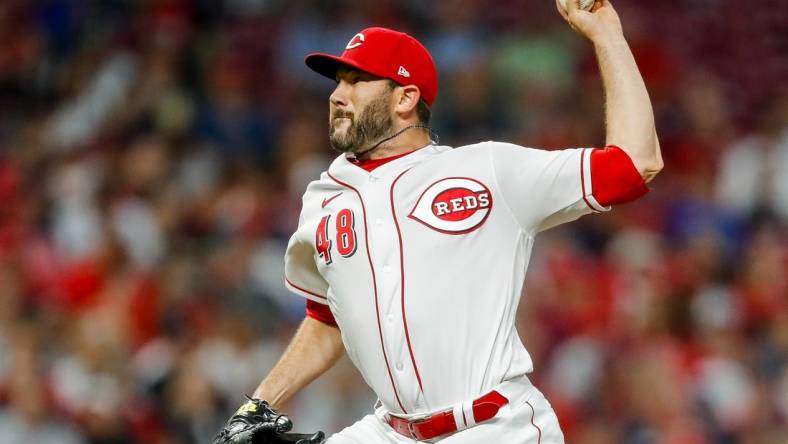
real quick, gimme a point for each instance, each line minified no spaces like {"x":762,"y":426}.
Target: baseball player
{"x":412,"y":255}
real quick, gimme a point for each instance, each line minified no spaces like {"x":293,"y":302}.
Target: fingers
{"x":565,"y":13}
{"x":572,"y":11}
{"x":561,"y":10}
{"x":599,"y":4}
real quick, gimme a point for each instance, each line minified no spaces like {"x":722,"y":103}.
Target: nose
{"x":338,"y":98}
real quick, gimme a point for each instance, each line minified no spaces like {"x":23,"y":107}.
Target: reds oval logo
{"x":455,"y":205}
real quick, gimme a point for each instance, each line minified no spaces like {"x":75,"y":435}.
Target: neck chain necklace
{"x":433,"y":137}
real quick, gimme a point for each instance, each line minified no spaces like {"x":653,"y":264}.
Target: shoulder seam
{"x":503,"y":196}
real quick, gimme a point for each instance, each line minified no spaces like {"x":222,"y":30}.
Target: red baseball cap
{"x":384,"y":53}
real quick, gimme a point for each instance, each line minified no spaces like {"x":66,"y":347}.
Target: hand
{"x":254,"y":417}
{"x":257,"y":423}
{"x":598,"y":24}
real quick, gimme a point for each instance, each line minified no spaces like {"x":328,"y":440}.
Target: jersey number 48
{"x":345,"y":237}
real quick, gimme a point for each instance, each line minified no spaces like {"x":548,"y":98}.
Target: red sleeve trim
{"x":320,"y":312}
{"x":614,"y":177}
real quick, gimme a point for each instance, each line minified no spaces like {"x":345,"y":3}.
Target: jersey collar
{"x":345,"y":170}
{"x":373,"y":164}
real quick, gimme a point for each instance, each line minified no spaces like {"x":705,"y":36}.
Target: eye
{"x":351,"y":77}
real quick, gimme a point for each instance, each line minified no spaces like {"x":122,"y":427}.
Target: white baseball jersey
{"x":422,"y":262}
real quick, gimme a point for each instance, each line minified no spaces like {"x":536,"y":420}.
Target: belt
{"x":443,"y":422}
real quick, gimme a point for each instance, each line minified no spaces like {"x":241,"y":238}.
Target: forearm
{"x":628,"y":112}
{"x":314,"y":349}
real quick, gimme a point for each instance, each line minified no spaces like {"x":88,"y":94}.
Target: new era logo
{"x":403,"y":72}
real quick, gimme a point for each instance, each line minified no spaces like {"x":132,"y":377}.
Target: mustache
{"x":339,"y":114}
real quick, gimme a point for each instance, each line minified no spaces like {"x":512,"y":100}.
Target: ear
{"x":407,"y":99}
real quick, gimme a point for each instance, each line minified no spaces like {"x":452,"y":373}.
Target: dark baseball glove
{"x":257,"y":423}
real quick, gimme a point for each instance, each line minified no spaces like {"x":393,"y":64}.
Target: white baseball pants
{"x":528,"y":418}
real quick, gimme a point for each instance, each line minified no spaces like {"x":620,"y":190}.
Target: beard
{"x":374,"y":123}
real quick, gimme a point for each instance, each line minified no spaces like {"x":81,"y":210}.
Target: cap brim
{"x":327,"y":64}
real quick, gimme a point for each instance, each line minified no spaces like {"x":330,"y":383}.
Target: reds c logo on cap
{"x":356,"y":41}
{"x":454,"y":205}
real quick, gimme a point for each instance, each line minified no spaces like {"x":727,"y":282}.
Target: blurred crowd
{"x":152,"y":158}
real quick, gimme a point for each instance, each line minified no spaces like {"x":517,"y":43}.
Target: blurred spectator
{"x":30,"y":415}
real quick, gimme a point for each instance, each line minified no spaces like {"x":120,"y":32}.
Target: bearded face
{"x":353,"y":132}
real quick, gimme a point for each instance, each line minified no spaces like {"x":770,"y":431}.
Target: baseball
{"x":585,"y":5}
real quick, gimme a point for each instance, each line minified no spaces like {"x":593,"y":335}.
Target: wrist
{"x":609,"y":39}
{"x":273,"y":398}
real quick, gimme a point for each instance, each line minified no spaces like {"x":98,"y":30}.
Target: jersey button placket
{"x":382,"y":253}
{"x":385,"y":255}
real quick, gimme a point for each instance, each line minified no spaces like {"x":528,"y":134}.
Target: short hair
{"x":422,"y":109}
{"x":424,"y":113}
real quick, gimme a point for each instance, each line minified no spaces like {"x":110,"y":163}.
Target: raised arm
{"x":314,"y":349}
{"x":628,"y":112}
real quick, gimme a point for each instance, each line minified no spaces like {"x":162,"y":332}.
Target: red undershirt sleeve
{"x":614,"y":177}
{"x":321,"y":312}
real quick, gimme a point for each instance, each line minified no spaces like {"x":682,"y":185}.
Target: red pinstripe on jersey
{"x":289,"y":282}
{"x":538,"y":430}
{"x":402,"y":280}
